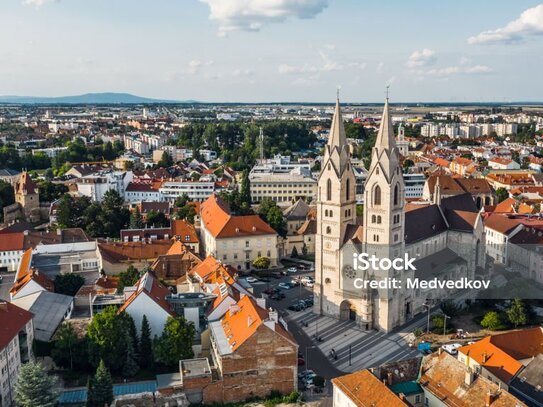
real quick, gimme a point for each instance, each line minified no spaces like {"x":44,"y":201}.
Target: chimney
{"x":485,"y":357}
{"x":402,"y":397}
{"x":469,"y":376}
{"x":249,"y":320}
{"x":489,"y":398}
{"x":274,"y":315}
{"x":261,"y":302}
{"x":389,"y":378}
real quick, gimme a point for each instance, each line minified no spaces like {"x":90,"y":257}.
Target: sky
{"x":275,"y":50}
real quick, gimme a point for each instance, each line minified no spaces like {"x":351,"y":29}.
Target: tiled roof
{"x":506,"y":206}
{"x":25,"y":273}
{"x":444,"y":376}
{"x":117,"y":252}
{"x":12,"y":242}
{"x":218,"y":221}
{"x":12,"y":320}
{"x":500,"y":354}
{"x":366,"y":390}
{"x":25,"y":185}
{"x":149,"y":285}
{"x":182,"y":228}
{"x":501,"y":223}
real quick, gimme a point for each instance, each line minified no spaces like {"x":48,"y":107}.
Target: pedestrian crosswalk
{"x":350,"y":348}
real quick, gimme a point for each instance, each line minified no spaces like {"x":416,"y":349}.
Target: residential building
{"x":16,"y":342}
{"x":11,"y":251}
{"x":414,"y":185}
{"x":498,"y":163}
{"x":96,"y":185}
{"x":195,"y":190}
{"x":235,"y":240}
{"x":499,"y":228}
{"x":142,"y":190}
{"x":281,"y":187}
{"x":528,"y":384}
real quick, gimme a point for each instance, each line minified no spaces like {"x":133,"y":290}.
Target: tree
{"x":502,"y":194}
{"x":68,"y":284}
{"x":64,"y":346}
{"x":7,"y":196}
{"x":175,"y":343}
{"x":50,"y":192}
{"x":157,"y":219}
{"x":127,"y":278}
{"x":261,"y":263}
{"x":277,"y":221}
{"x":166,"y":160}
{"x":100,"y":388}
{"x":294,"y":252}
{"x":304,"y":249}
{"x":449,"y":308}
{"x":131,"y":366}
{"x":34,"y":387}
{"x":245,"y":192}
{"x":146,"y":358}
{"x":492,"y":321}
{"x":516,"y":313}
{"x":136,"y":221}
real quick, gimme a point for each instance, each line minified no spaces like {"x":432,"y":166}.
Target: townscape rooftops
{"x":148,"y":284}
{"x":530,"y":380}
{"x":117,"y":252}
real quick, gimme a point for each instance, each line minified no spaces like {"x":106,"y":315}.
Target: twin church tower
{"x":340,"y":235}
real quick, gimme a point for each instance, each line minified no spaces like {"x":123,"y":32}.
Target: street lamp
{"x":307,"y":360}
{"x":428,"y":307}
{"x":445,"y":317}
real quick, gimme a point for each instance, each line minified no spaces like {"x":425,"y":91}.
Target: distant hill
{"x":88,"y":98}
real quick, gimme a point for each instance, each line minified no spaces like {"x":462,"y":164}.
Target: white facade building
{"x":195,"y":190}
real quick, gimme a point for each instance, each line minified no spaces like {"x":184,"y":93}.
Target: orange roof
{"x":365,"y":390}
{"x":462,"y":161}
{"x":241,"y":324}
{"x":441,"y":162}
{"x":206,"y":267}
{"x":35,"y":276}
{"x":117,"y":252}
{"x":24,"y":265}
{"x":183,"y":228}
{"x":26,"y":185}
{"x":12,"y":320}
{"x":500,"y":354}
{"x":217,"y":220}
{"x":506,"y":206}
{"x":12,"y":242}
{"x":149,"y":285}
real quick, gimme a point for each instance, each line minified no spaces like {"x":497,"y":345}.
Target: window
{"x":373,"y":218}
{"x":246,"y":243}
{"x":331,"y":213}
{"x":377,"y":195}
{"x":328,"y":230}
{"x":329,"y":190}
{"x":348,"y":192}
{"x":379,"y":219}
{"x":396,"y":194}
{"x":326,"y":213}
{"x":375,"y":238}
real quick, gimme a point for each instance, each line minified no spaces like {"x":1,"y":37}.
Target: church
{"x":444,"y":234}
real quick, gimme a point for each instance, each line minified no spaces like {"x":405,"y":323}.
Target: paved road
{"x":5,"y":285}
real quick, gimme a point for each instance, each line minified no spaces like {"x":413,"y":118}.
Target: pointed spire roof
{"x":337,"y":131}
{"x":26,"y":185}
{"x":385,"y":138}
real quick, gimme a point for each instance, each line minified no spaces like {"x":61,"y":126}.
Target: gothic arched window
{"x":331,"y":213}
{"x":348,"y":192}
{"x":326,"y":212}
{"x":377,"y":195}
{"x":373,"y":219}
{"x":379,"y":219}
{"x":396,"y":194}
{"x":328,"y":230}
{"x":329,"y":190}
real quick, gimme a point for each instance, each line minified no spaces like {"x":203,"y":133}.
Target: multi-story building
{"x":195,"y":190}
{"x":498,"y":163}
{"x":235,"y":240}
{"x":414,"y":185}
{"x":15,"y":348}
{"x":96,"y":185}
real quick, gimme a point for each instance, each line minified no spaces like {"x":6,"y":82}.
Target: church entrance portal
{"x":347,"y":311}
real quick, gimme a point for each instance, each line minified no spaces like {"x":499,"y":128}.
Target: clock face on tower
{"x":349,"y":272}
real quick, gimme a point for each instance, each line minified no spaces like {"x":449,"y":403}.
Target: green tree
{"x":146,"y":358}
{"x":492,"y":321}
{"x":131,"y":366}
{"x":7,"y":197}
{"x":50,"y":192}
{"x":304,"y":249}
{"x":165,"y":161}
{"x":517,"y":313}
{"x":245,"y":191}
{"x":502,"y":194}
{"x":100,"y":388}
{"x":157,"y":219}
{"x":355,"y":130}
{"x":68,"y":284}
{"x":449,"y":308}
{"x":64,"y":346}
{"x":34,"y":387}
{"x":294,"y":252}
{"x":277,"y":221}
{"x":127,"y":278}
{"x":261,"y":263}
{"x":175,"y":343}
{"x":136,"y":221}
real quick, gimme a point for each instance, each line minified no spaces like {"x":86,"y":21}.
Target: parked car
{"x":451,"y":348}
{"x":308,"y":302}
{"x":301,"y":361}
{"x":306,"y":373}
{"x":307,"y":279}
{"x":295,"y":282}
{"x":251,"y":279}
{"x":270,"y":291}
{"x":294,"y":307}
{"x":284,"y":286}
{"x":292,"y":270}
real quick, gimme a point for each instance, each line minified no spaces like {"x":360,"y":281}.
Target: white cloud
{"x":358,"y":65}
{"x":252,"y":15}
{"x":242,"y":72}
{"x":289,"y":69}
{"x":195,"y":66}
{"x":422,"y":58}
{"x":456,"y":70}
{"x":380,"y":67}
{"x":530,"y":23}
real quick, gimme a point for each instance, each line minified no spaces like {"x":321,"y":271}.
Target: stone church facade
{"x":445,"y":235}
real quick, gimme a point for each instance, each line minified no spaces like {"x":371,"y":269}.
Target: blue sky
{"x":274,"y":50}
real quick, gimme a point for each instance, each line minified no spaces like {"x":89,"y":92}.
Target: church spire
{"x":337,"y":136}
{"x":385,"y":137}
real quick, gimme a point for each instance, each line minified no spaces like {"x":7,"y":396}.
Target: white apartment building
{"x":96,"y":185}
{"x":49,"y":152}
{"x":499,"y":229}
{"x":196,"y":190}
{"x":141,"y":191}
{"x":177,"y":154}
{"x":498,"y":163}
{"x":15,"y":348}
{"x":414,"y":185}
{"x":136,"y":144}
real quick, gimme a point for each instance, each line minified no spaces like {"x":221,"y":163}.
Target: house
{"x":498,"y":163}
{"x":499,"y":358}
{"x":480,"y":190}
{"x":142,"y":190}
{"x":29,"y":280}
{"x":186,"y":233}
{"x":11,"y":251}
{"x":16,"y":338}
{"x":49,"y":310}
{"x":524,"y":252}
{"x":176,"y":263}
{"x":450,"y":382}
{"x":462,"y":166}
{"x":499,"y":228}
{"x":149,"y":299}
{"x":115,"y":257}
{"x":236,"y":240}
{"x":363,"y":389}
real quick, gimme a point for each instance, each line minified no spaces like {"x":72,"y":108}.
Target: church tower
{"x":336,"y":209}
{"x":27,"y":196}
{"x":384,"y":219}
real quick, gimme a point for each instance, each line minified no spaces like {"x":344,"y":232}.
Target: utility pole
{"x":261,"y":144}
{"x":445,"y":317}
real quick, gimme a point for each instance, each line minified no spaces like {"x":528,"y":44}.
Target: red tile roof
{"x":12,"y":242}
{"x":149,"y":285}
{"x":183,"y":228}
{"x":25,"y":185}
{"x":217,"y":220}
{"x":12,"y":320}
